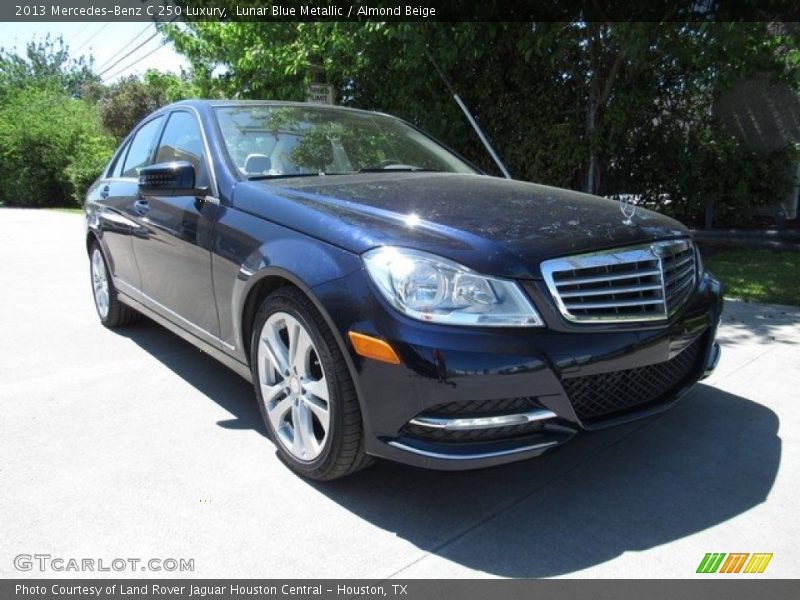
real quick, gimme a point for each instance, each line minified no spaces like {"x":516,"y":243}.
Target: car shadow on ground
{"x":206,"y":374}
{"x":710,"y":458}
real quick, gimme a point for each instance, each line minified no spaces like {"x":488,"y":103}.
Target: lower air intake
{"x":606,"y":395}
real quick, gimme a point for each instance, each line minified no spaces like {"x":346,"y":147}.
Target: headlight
{"x":429,"y":288}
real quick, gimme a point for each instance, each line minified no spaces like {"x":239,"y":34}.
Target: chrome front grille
{"x":638,"y":283}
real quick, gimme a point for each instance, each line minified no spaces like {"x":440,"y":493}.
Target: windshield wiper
{"x":364,"y":170}
{"x":285,"y":175}
{"x":398,"y":170}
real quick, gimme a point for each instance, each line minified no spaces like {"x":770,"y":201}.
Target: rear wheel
{"x":304,"y":389}
{"x":111,"y":311}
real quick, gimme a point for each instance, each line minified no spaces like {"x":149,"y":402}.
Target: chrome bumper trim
{"x":474,"y":456}
{"x":466,"y":424}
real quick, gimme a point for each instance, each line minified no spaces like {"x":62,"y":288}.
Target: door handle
{"x":141,"y":207}
{"x":105,"y":191}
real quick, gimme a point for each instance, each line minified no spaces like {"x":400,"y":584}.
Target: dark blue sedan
{"x":385,"y":297}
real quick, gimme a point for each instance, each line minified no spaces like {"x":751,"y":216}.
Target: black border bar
{"x":705,"y":587}
{"x":398,"y":10}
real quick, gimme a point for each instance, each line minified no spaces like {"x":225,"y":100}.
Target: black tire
{"x":118,"y":314}
{"x":343,"y":449}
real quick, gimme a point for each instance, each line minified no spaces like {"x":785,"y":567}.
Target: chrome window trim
{"x":658,"y":250}
{"x":132,"y":137}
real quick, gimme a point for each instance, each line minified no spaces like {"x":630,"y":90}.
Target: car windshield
{"x":266,"y":141}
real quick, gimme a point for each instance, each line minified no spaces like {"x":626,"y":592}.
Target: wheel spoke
{"x":320,"y":410}
{"x":310,"y":441}
{"x":276,"y":351}
{"x":302,"y":348}
{"x":317,"y":387}
{"x":277,"y":413}
{"x":299,"y":429}
{"x":292,"y":332}
{"x":270,"y":392}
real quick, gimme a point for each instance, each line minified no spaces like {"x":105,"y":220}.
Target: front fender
{"x":250,"y":252}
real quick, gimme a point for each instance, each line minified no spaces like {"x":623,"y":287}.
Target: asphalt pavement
{"x":133,"y":444}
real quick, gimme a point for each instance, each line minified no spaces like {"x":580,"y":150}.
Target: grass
{"x":74,"y":211}
{"x":758,"y":275}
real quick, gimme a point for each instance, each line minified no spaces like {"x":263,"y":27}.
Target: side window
{"x":116,"y":170}
{"x":141,"y":147}
{"x":182,"y":140}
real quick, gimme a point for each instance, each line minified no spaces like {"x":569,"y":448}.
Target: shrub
{"x":93,"y":152}
{"x":51,"y":147}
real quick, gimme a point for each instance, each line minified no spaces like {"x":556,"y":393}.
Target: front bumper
{"x":457,"y":373}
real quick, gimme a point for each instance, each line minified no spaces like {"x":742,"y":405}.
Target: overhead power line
{"x":125,"y":46}
{"x":91,"y":37}
{"x":80,"y":32}
{"x":138,"y":60}
{"x":119,"y":60}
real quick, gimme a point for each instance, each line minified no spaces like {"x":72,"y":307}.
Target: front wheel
{"x":304,"y":389}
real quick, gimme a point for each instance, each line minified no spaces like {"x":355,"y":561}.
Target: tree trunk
{"x":709,"y":213}
{"x":597,"y":97}
{"x":591,"y":124}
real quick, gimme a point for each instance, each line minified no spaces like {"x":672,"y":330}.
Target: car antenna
{"x":470,"y":118}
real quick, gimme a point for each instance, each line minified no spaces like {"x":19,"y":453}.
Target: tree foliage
{"x":51,"y":148}
{"x":59,"y":124}
{"x":46,"y":64}
{"x":610,"y":108}
{"x":51,"y":143}
{"x":603,"y":107}
{"x":126,"y":102}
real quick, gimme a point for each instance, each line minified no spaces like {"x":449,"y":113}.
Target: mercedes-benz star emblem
{"x":628,"y":209}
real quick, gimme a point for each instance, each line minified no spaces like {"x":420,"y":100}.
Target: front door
{"x":174,"y":254}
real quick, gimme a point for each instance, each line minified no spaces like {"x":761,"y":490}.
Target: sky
{"x":103,"y":41}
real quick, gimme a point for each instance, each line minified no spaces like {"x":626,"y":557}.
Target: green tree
{"x":604,"y":107}
{"x":268,"y":59}
{"x":46,"y":64}
{"x":51,"y":148}
{"x":126,"y":102}
{"x":56,"y":116}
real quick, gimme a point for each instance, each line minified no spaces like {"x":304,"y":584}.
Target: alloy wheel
{"x":293,"y":386}
{"x":100,"y":283}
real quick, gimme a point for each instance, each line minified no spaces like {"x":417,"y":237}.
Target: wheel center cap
{"x":294,"y":385}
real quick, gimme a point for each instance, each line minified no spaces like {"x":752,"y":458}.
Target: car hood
{"x":495,"y":226}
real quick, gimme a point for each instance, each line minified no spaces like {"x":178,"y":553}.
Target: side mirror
{"x":168,"y":179}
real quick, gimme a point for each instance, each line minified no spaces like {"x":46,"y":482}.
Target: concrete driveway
{"x":136,"y":445}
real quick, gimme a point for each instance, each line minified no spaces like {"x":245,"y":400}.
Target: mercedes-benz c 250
{"x":385,"y":297}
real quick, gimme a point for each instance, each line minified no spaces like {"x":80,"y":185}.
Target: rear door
{"x":174,"y":255}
